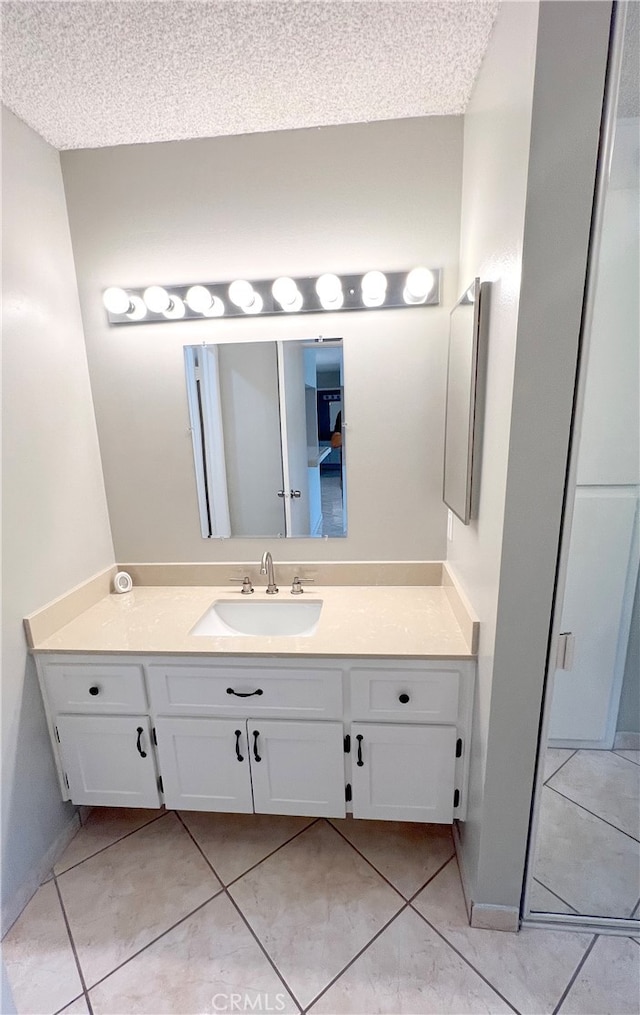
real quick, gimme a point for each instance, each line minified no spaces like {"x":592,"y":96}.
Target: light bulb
{"x":116,"y":300}
{"x":420,"y":282}
{"x":139,"y":310}
{"x":199,"y":299}
{"x":176,"y":308}
{"x":256,"y":304}
{"x":241,"y":293}
{"x":157,"y":299}
{"x":216,"y":309}
{"x":374,"y":288}
{"x":285,"y":291}
{"x":329,"y":290}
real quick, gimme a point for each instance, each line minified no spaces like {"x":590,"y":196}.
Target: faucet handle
{"x":247,"y":587}
{"x":297,"y":583}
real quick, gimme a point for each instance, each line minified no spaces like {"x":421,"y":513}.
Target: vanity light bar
{"x":371,"y":290}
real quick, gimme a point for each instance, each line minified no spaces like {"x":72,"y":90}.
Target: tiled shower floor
{"x":192,"y":913}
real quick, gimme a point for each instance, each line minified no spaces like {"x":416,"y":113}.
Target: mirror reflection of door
{"x":262,"y":438}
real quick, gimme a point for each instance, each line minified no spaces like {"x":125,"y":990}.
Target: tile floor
{"x":589,"y":820}
{"x":331,"y":501}
{"x":192,"y":913}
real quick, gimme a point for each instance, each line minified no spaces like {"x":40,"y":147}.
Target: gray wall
{"x":496,"y":159}
{"x":55,"y":526}
{"x":571,"y":55}
{"x":295,"y":202}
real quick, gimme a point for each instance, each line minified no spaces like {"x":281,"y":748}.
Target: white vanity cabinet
{"x":268,"y":766}
{"x":268,"y":735}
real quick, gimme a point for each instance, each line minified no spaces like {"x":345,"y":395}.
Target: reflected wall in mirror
{"x":266,"y":425}
{"x":462,"y":416}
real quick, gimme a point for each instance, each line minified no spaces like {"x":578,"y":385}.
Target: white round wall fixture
{"x":122,"y":582}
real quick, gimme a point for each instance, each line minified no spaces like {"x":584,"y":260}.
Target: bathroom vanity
{"x":369,"y":714}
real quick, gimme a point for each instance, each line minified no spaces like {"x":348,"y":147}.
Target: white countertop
{"x":411,"y":621}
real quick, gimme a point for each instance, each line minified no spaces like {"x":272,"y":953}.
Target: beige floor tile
{"x":553,"y":759}
{"x":609,"y":981}
{"x":119,"y":900}
{"x":77,"y":1007}
{"x":314,"y":904}
{"x":409,"y":969}
{"x":605,"y":784}
{"x":544,"y":901}
{"x":630,"y":756}
{"x":530,"y":969}
{"x":408,"y":854}
{"x":592,"y":866}
{"x":235,"y":842}
{"x":196,"y":967}
{"x":41,"y":969}
{"x":104,"y":826}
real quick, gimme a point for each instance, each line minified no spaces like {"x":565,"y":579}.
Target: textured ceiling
{"x":94,"y":73}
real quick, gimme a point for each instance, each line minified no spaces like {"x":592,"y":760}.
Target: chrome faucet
{"x":266,"y":567}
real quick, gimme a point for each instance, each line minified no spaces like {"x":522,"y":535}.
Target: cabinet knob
{"x":404,"y":698}
{"x":94,"y":690}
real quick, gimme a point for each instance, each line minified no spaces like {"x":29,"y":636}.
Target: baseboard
{"x":13,"y":908}
{"x":481,"y":915}
{"x":626,"y":741}
{"x":487,"y":917}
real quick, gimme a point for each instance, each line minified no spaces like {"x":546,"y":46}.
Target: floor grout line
{"x":594,"y":815}
{"x":155,"y":940}
{"x":630,"y":760}
{"x":114,"y":843}
{"x":558,"y":897}
{"x":241,"y":914}
{"x":312,"y":821}
{"x":433,"y":876}
{"x":81,"y":996}
{"x":83,"y":982}
{"x":561,"y":765}
{"x":366,"y":859}
{"x":355,"y":958}
{"x":465,"y":959}
{"x":573,"y":979}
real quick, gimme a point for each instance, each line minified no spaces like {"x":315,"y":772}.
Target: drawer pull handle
{"x":238,"y":755}
{"x":404,"y":698}
{"x":360,"y":762}
{"x":142,"y":753}
{"x":94,"y":690}
{"x":243,"y":694}
{"x":256,"y":734}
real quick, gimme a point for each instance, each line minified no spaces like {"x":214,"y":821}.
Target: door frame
{"x":612,"y":88}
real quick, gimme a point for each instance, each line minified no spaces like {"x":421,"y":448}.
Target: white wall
{"x":55,"y":526}
{"x":539,"y":346}
{"x":295,"y":202}
{"x":496,"y":157}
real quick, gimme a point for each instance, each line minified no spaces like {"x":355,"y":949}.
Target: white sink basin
{"x":286,"y":618}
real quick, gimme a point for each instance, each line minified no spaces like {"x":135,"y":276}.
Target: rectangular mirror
{"x":462,"y":417}
{"x":266,"y":426}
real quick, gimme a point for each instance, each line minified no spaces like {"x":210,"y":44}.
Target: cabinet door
{"x":204,"y":764}
{"x":297,"y":767}
{"x":403,"y":773}
{"x":108,"y":760}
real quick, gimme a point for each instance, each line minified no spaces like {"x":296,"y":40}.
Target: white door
{"x":403,"y":773}
{"x":108,"y":760}
{"x":586,"y":696}
{"x":297,"y":767}
{"x":293,"y":422}
{"x":204,"y":764}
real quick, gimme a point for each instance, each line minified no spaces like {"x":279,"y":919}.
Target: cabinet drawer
{"x":411,"y":695}
{"x":116,"y":688}
{"x":246,"y":690}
